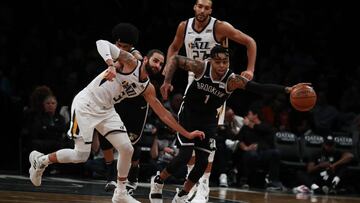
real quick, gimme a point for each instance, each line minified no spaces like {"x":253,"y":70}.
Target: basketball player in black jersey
{"x":198,"y":35}
{"x":213,"y":84}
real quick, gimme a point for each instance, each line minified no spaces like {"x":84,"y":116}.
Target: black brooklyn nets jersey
{"x":205,"y":96}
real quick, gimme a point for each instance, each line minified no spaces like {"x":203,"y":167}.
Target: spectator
{"x":256,"y":142}
{"x":324,"y":170}
{"x":45,"y":128}
{"x":226,"y":145}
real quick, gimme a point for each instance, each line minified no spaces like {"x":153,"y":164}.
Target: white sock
{"x":121,"y":185}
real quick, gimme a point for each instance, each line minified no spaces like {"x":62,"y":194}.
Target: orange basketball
{"x":303,"y":98}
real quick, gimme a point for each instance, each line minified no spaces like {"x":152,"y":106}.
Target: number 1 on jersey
{"x":206,"y":98}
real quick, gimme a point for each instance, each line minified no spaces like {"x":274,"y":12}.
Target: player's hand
{"x":165,"y":89}
{"x":247,"y":74}
{"x":289,"y":89}
{"x":197,"y":133}
{"x":110,"y":73}
{"x":299,"y":85}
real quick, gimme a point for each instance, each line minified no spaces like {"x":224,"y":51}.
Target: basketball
{"x":303,"y":98}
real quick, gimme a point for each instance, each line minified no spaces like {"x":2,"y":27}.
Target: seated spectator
{"x":48,"y":128}
{"x":257,"y":143}
{"x":324,"y":170}
{"x":226,"y":145}
{"x":45,"y":128}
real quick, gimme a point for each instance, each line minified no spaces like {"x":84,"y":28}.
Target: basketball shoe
{"x":202,"y":193}
{"x":110,"y":186}
{"x":131,"y":186}
{"x":177,"y":199}
{"x":155,"y":195}
{"x":122,"y":196}
{"x":37,"y":168}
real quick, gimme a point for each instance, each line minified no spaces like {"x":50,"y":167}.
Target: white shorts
{"x":87,"y":115}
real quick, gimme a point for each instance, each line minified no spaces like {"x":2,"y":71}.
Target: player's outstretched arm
{"x":150,"y":96}
{"x":240,"y":82}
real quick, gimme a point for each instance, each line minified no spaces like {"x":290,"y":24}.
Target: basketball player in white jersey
{"x":93,"y":108}
{"x":199,"y":34}
{"x":133,"y":112}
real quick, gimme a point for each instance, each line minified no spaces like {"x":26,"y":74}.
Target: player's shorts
{"x":191,"y":122}
{"x":87,"y":115}
{"x":133,"y":112}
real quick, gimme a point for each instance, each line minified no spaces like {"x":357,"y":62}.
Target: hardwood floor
{"x":19,"y":189}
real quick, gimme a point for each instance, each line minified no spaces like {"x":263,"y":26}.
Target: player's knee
{"x":126,"y":149}
{"x":82,"y":156}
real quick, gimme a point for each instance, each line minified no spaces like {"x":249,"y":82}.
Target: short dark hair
{"x":217,"y":49}
{"x":126,"y":33}
{"x":256,"y":108}
{"x":152,"y":51}
{"x":329,"y":140}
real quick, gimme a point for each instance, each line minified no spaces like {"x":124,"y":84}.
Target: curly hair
{"x":126,"y":33}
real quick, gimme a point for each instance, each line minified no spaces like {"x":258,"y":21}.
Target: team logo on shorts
{"x":133,"y":137}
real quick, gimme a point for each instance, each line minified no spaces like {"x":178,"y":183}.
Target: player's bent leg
{"x":121,"y":142}
{"x":39,"y":161}
{"x":202,"y":193}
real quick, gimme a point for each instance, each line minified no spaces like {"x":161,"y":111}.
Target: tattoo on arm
{"x":185,"y":63}
{"x":237,"y":82}
{"x":192,"y":65}
{"x":126,"y":58}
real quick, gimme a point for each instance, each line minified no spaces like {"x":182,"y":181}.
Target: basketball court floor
{"x":16,"y":188}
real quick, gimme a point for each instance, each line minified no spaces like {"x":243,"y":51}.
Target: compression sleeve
{"x":107,"y":50}
{"x":264,"y":88}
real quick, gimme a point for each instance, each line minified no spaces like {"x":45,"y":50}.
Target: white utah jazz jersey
{"x":124,"y":85}
{"x":199,"y":44}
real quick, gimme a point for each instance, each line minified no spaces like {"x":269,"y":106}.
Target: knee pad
{"x":180,"y":160}
{"x":201,"y":163}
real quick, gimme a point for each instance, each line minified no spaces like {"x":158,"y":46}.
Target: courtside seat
{"x":288,"y":145}
{"x":345,"y":141}
{"x":310,"y":144}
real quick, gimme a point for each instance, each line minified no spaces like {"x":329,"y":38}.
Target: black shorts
{"x":206,"y":123}
{"x":133,"y":112}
